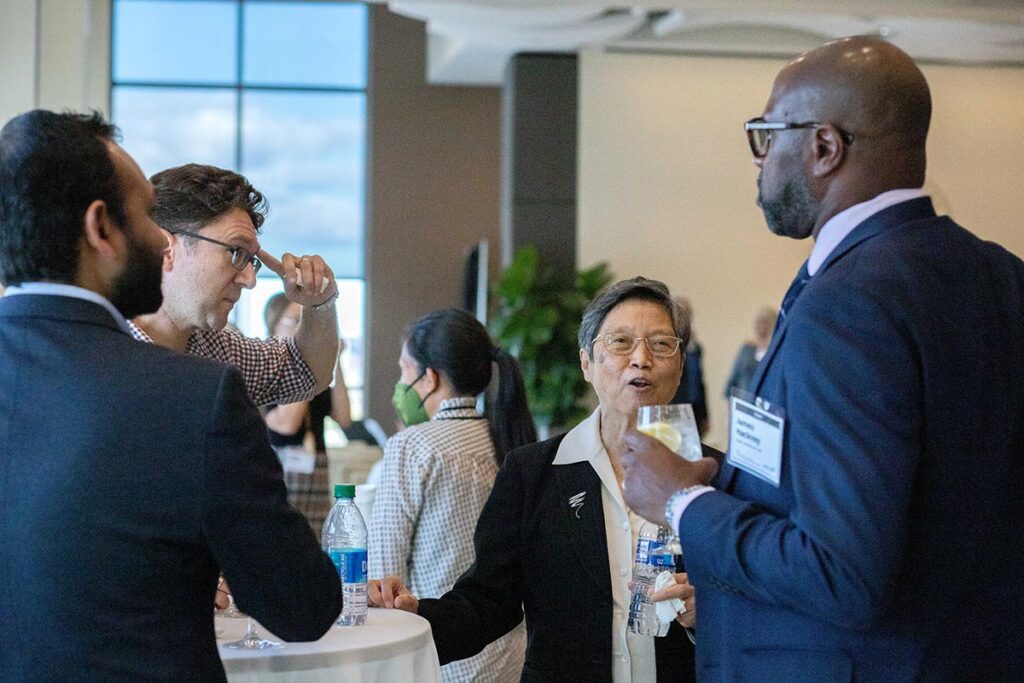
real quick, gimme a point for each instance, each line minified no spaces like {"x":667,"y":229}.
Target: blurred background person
{"x":691,"y":386}
{"x":292,"y":424}
{"x":555,"y":538}
{"x":438,"y":472}
{"x":751,"y":353}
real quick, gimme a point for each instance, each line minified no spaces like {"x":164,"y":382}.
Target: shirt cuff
{"x":680,"y":504}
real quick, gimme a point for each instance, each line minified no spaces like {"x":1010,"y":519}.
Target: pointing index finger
{"x":271,"y":262}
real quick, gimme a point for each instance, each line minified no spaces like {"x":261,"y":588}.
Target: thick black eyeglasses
{"x":618,"y":344}
{"x":759,"y":133}
{"x":240,"y":257}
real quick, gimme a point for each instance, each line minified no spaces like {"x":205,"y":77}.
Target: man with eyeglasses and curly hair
{"x":212,"y":218}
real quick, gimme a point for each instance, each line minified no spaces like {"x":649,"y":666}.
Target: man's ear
{"x":829,"y":150}
{"x":585,"y":364}
{"x":100,"y":232}
{"x":172,"y":241}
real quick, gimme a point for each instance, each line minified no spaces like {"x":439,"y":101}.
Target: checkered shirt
{"x":434,"y":481}
{"x":273,"y":369}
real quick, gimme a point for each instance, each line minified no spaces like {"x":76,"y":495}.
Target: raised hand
{"x":308,"y":280}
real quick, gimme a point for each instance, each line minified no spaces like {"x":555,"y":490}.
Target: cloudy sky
{"x":303,"y":148}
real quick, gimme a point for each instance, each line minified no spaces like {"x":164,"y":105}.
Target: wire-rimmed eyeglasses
{"x":619,"y":344}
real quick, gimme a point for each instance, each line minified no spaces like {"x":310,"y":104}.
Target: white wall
{"x":667,"y":185}
{"x":54,"y":54}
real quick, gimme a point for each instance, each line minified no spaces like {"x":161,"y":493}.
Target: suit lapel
{"x":581,"y":517}
{"x":886,"y":219}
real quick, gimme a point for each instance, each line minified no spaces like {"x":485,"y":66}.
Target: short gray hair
{"x":638,"y":288}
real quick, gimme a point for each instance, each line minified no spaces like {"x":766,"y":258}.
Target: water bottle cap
{"x":344,"y":490}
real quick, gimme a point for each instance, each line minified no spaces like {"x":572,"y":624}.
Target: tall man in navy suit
{"x":869,"y":519}
{"x":130,"y":475}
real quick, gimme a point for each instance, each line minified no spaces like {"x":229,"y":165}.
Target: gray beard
{"x":791,"y":213}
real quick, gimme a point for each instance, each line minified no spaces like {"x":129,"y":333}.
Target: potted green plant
{"x":536,"y":319}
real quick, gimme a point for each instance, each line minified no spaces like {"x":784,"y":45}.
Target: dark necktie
{"x":801,"y":280}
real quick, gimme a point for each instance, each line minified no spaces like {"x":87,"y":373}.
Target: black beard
{"x":137,"y":289}
{"x":791,"y":213}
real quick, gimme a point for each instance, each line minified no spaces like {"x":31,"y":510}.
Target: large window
{"x":275,"y":91}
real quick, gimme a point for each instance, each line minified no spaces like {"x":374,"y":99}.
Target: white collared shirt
{"x":842,"y":224}
{"x":60,"y":289}
{"x":632,"y":654}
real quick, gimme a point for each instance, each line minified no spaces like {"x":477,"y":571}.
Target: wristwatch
{"x":674,"y":498}
{"x":326,"y":304}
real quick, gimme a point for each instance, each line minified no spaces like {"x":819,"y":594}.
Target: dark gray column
{"x":538,"y":184}
{"x":432,"y":193}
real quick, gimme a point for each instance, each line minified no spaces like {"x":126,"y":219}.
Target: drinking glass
{"x":252,"y":639}
{"x":674,"y":426}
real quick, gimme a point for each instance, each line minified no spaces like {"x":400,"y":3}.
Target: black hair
{"x":454,"y":343}
{"x":192,"y":196}
{"x":52,"y":167}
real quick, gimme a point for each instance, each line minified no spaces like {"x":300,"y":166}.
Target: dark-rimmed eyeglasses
{"x":619,"y":344}
{"x":759,"y":133}
{"x":240,"y":257}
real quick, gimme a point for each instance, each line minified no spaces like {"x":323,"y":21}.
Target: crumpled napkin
{"x":667,"y":610}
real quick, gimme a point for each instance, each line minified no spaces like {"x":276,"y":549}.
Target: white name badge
{"x":755,"y":439}
{"x":296,"y":459}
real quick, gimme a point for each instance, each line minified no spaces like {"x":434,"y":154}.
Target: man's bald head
{"x":865,"y":110}
{"x":865,"y":85}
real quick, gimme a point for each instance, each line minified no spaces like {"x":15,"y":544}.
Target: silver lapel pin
{"x":577,"y":502}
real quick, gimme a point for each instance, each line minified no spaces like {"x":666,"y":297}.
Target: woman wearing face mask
{"x":438,"y":472}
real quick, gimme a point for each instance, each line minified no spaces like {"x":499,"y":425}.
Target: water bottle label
{"x":350,"y":563}
{"x":648,"y":552}
{"x":662,"y":562}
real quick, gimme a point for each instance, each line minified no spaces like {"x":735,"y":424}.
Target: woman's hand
{"x":684,"y":591}
{"x":390,"y":592}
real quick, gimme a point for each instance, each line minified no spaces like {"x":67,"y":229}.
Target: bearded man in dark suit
{"x":130,"y":475}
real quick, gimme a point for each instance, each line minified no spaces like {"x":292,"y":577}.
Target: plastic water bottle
{"x":643,"y":619}
{"x":344,"y":539}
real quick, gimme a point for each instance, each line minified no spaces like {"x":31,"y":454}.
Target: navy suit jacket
{"x":129,"y":476}
{"x":892,"y":549}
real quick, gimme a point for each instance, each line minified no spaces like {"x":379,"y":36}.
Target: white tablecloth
{"x":392,"y":646}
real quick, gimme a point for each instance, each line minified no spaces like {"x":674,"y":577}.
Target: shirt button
{"x":623,"y":571}
{"x":625,"y":526}
{"x":623,"y":658}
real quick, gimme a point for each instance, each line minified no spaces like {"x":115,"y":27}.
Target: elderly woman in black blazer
{"x":555,"y":539}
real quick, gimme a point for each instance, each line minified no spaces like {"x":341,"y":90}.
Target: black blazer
{"x":129,"y":476}
{"x":534,"y":553}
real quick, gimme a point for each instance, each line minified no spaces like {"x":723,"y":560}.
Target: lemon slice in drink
{"x":665,"y":433}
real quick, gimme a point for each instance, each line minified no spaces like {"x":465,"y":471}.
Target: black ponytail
{"x":511,"y":423}
{"x":453,"y":342}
